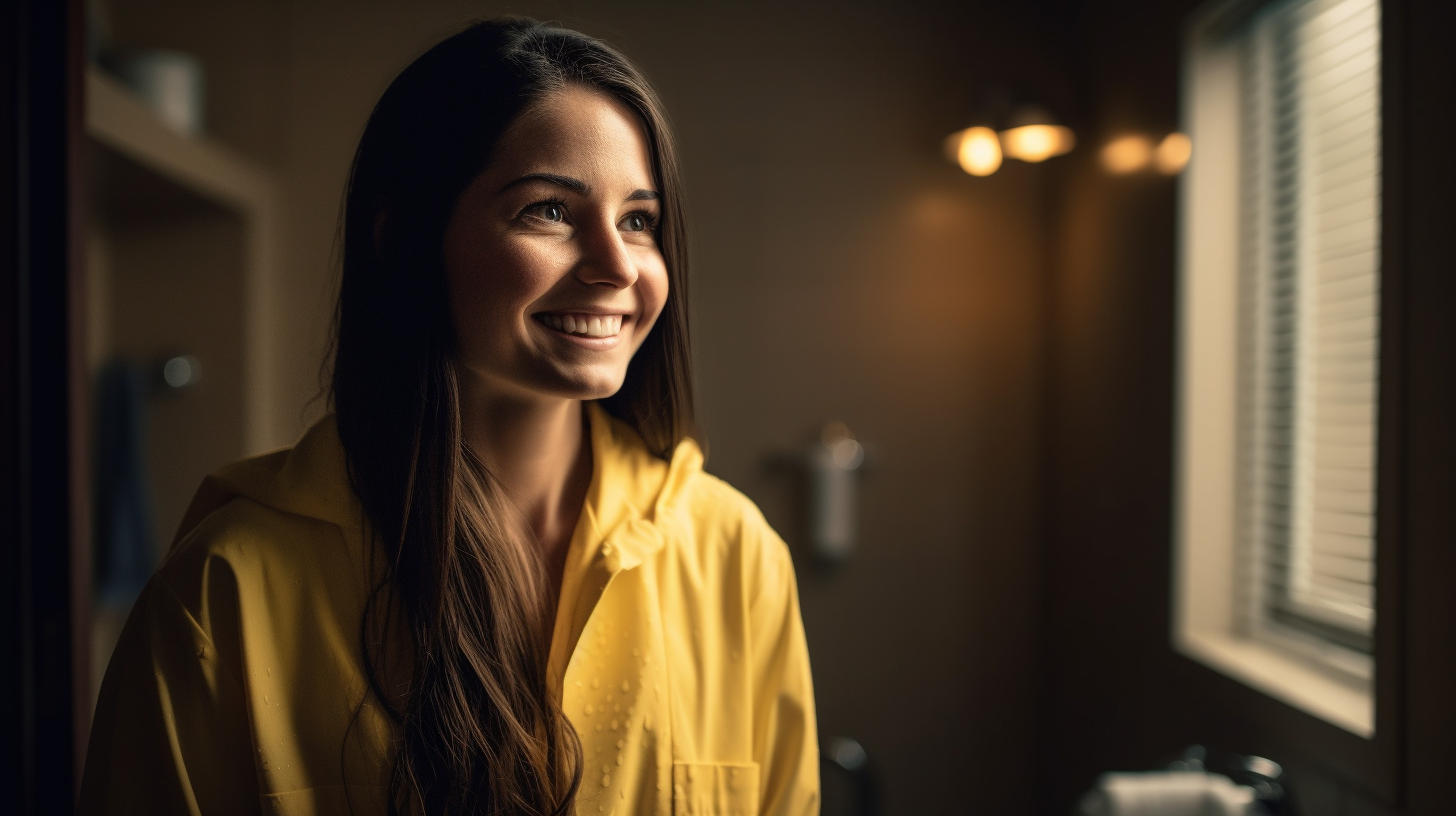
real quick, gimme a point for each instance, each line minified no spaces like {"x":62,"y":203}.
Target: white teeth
{"x":595,"y":326}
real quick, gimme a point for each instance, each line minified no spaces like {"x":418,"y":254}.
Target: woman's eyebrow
{"x":575,"y":185}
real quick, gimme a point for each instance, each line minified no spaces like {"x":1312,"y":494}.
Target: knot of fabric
{"x":633,"y":542}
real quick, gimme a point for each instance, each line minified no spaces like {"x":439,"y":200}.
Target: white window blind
{"x":1279,"y":320}
{"x":1309,"y":227}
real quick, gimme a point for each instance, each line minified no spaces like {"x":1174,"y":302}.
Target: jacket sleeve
{"x":171,"y":733}
{"x":786,"y":744}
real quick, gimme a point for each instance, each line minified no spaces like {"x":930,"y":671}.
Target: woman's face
{"x":554,"y":274}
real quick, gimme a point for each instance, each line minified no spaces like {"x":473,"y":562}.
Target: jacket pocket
{"x":714,"y":789}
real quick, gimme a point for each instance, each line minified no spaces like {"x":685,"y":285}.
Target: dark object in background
{"x":123,"y":522}
{"x":849,"y":785}
{"x":1187,"y":786}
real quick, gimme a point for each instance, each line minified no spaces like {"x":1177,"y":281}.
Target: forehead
{"x":577,"y":132}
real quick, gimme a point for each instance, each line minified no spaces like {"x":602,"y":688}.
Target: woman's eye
{"x":548,"y":212}
{"x":636,"y":222}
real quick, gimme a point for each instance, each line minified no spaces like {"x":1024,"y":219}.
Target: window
{"x":1279,"y":358}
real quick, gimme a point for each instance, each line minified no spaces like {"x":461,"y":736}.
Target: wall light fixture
{"x":976,"y":149}
{"x":1135,"y":152}
{"x":1033,"y":135}
{"x":1029,"y":133}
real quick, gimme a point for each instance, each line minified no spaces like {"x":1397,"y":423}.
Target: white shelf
{"x":119,"y":122}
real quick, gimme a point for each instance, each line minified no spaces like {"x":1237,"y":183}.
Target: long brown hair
{"x":452,"y":638}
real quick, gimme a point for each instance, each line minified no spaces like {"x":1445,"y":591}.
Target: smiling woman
{"x":496,"y":579}
{"x":551,"y":255}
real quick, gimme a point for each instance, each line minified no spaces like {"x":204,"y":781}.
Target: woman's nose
{"x":605,"y":259}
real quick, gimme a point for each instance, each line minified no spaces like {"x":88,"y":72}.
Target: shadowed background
{"x":1004,"y":345}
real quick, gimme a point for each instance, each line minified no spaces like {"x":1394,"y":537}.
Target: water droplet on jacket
{"x":614,"y":724}
{"x":589,"y":709}
{"x":606,"y":549}
{"x":617,"y":708}
{"x":606,"y":781}
{"x":599,"y":728}
{"x":625,"y":687}
{"x":619,"y":760}
{"x":265,"y":699}
{"x":621,"y":743}
{"x":634,"y":652}
{"x":606,"y":769}
{"x":270,"y":671}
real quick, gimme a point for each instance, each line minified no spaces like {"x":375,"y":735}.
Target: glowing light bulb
{"x":1173,"y":154}
{"x":1035,"y":143}
{"x":978,"y":151}
{"x":1127,"y":154}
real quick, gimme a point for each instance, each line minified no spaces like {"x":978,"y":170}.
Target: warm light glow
{"x":978,"y":151}
{"x":1034,"y":143}
{"x":1128,"y":154}
{"x":1173,"y":154}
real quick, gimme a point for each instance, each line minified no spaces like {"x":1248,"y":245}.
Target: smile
{"x":583,"y":325}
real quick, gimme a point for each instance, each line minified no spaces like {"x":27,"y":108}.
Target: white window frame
{"x":1211,"y":622}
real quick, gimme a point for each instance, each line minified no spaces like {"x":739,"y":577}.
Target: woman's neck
{"x":539,"y":452}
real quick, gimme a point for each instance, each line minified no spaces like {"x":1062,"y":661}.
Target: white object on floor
{"x":1168,"y":793}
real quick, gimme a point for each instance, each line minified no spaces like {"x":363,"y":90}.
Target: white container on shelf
{"x":169,"y":82}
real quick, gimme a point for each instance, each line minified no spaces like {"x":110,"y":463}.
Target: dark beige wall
{"x":841,"y":269}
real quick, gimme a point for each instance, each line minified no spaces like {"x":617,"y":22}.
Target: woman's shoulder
{"x":289,"y":514}
{"x":242,"y":530}
{"x":719,"y":526}
{"x":709,"y":500}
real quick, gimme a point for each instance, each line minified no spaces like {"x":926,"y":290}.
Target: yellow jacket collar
{"x":631,"y":507}
{"x":310,"y":479}
{"x":631,"y":490}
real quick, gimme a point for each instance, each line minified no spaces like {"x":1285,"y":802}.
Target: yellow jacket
{"x":237,"y":685}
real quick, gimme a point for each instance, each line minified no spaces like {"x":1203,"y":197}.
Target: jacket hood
{"x":311,"y":479}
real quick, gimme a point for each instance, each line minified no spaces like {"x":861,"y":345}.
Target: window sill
{"x":1283,"y":678}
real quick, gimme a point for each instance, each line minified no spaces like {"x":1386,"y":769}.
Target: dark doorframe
{"x":44,"y":557}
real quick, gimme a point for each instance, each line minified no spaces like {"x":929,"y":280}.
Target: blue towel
{"x":123,"y":521}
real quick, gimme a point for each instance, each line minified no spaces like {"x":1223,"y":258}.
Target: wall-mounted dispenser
{"x":834,"y":462}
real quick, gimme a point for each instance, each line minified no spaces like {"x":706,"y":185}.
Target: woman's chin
{"x":589,"y":384}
